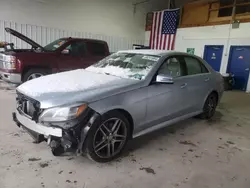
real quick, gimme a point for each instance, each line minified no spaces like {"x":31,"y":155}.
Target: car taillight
{"x":10,"y":62}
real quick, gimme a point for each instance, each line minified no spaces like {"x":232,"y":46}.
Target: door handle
{"x":247,"y":69}
{"x":183,"y":85}
{"x":207,"y":79}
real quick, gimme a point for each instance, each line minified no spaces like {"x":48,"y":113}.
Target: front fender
{"x":95,"y":119}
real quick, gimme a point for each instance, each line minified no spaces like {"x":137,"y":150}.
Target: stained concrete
{"x":191,"y":154}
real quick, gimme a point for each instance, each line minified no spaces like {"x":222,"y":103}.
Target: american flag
{"x":163,"y":32}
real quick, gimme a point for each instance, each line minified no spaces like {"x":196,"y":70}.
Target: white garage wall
{"x":198,"y":37}
{"x":44,"y":35}
{"x":112,"y":20}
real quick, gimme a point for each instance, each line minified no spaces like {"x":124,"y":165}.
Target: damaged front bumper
{"x":60,"y":140}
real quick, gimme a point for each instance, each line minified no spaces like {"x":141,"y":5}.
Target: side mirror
{"x":65,"y":52}
{"x":164,"y":79}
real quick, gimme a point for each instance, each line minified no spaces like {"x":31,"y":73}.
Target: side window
{"x":172,"y":67}
{"x":76,"y":48}
{"x":96,"y":48}
{"x":203,"y":68}
{"x":194,"y":66}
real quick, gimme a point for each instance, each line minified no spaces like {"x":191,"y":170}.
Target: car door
{"x":198,"y":79}
{"x":167,"y":101}
{"x":74,"y":56}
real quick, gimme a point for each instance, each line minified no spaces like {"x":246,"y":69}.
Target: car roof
{"x":85,"y":39}
{"x":154,"y":52}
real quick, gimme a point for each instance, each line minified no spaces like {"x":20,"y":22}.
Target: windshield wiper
{"x":106,"y":73}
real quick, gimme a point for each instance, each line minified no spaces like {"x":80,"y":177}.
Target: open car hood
{"x":22,"y":37}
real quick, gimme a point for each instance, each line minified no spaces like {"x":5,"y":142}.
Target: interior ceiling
{"x":163,"y":3}
{"x":149,"y":5}
{"x":155,"y":5}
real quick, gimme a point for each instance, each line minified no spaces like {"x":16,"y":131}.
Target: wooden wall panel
{"x":195,"y":13}
{"x":205,"y":13}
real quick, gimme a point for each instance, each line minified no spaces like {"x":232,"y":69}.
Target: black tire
{"x":95,"y":133}
{"x":209,"y":106}
{"x":34,"y":71}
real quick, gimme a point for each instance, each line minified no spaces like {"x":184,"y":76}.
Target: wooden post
{"x":233,"y":11}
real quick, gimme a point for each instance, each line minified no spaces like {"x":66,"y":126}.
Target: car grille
{"x":28,"y":107}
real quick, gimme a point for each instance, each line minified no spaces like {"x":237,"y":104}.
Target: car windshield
{"x":125,"y":65}
{"x":54,"y":45}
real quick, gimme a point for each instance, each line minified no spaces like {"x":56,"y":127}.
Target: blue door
{"x":213,"y":55}
{"x":238,"y":65}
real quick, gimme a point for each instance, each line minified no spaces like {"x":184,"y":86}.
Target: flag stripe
{"x":169,"y":41}
{"x":165,"y":42}
{"x":151,"y":34}
{"x":154,"y":29}
{"x":161,"y":36}
{"x":158,"y":29}
{"x":173,"y":43}
{"x":164,"y":28}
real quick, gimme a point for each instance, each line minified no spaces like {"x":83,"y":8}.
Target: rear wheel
{"x":34,"y":73}
{"x":107,"y":140}
{"x":209,"y":106}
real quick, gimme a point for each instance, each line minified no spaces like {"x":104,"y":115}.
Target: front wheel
{"x":209,"y":106}
{"x":34,"y":73}
{"x":107,"y":140}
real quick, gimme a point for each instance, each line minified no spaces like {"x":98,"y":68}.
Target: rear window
{"x":194,"y":66}
{"x":96,"y":48}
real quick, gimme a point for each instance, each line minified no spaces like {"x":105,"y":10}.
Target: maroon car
{"x":20,"y":65}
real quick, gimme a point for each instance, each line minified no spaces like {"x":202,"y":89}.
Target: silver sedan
{"x":126,"y":95}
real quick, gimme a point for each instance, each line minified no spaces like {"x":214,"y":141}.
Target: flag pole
{"x":169,"y":4}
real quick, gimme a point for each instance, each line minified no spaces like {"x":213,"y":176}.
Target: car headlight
{"x":64,"y":113}
{"x":10,"y":62}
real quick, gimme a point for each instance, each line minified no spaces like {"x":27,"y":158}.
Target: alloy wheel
{"x":110,"y":138}
{"x":34,"y":76}
{"x":211,"y":106}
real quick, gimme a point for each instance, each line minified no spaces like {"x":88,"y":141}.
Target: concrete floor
{"x":190,"y":154}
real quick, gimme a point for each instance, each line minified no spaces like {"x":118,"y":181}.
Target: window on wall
{"x":226,"y":2}
{"x":242,"y":1}
{"x":226,"y":7}
{"x":223,"y":12}
{"x":242,"y":6}
{"x":243,"y":9}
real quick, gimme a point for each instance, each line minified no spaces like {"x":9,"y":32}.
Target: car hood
{"x":74,"y":87}
{"x":22,"y":37}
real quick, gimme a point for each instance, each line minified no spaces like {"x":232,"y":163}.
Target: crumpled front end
{"x":61,"y":136}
